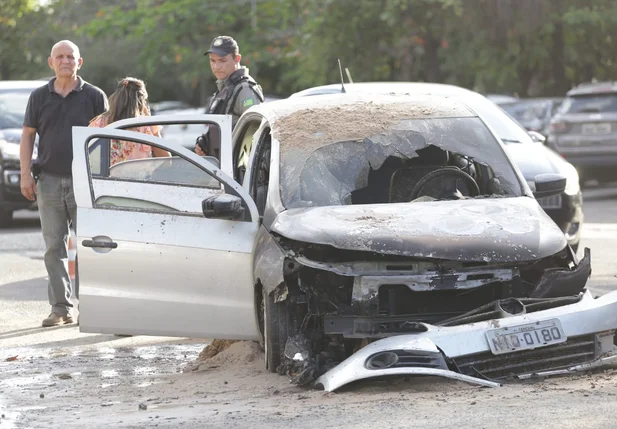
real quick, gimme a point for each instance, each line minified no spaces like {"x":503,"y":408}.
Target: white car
{"x":523,"y":147}
{"x":334,"y":221}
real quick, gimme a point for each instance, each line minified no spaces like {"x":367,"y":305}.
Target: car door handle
{"x":101,"y":244}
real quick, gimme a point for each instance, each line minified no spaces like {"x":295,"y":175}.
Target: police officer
{"x":237,"y":90}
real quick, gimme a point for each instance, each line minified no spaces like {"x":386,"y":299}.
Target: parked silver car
{"x":584,"y":130}
{"x":334,"y":221}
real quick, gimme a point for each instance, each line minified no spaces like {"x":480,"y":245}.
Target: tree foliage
{"x":529,"y":47}
{"x":12,"y":36}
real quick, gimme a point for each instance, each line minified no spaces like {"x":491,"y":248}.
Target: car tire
{"x":6,"y":217}
{"x":275,"y":317}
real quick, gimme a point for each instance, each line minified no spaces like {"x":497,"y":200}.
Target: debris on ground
{"x":11,"y":359}
{"x":228,"y":353}
{"x":298,"y":362}
{"x":303,"y":365}
{"x":214,"y":348}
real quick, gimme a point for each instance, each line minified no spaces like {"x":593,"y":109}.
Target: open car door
{"x":164,"y":244}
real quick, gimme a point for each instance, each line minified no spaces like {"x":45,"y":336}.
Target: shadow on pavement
{"x":30,"y":331}
{"x":89,"y":339}
{"x":26,"y":290}
{"x":83,"y":340}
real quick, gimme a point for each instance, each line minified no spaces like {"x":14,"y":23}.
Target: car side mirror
{"x":222,"y":206}
{"x":536,"y":137}
{"x":549,"y":184}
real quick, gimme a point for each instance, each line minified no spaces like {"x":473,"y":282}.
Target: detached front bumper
{"x":463,"y":352}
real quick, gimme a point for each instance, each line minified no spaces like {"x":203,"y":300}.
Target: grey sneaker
{"x":54,"y":319}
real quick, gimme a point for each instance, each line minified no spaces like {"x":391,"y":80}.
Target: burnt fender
{"x":558,"y":282}
{"x":268,"y":261}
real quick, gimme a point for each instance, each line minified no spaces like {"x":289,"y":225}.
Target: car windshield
{"x":13,"y":107}
{"x":501,"y":123}
{"x":527,"y":111}
{"x":383,"y":164}
{"x":590,"y":104}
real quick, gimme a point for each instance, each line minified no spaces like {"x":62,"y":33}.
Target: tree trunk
{"x":406,"y":68}
{"x":5,"y":70}
{"x":432,"y":70}
{"x":560,"y":83}
{"x":525,"y":73}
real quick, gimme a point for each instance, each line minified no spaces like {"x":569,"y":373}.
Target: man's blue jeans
{"x":58,"y":212}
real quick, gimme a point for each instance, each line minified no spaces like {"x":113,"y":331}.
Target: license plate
{"x":526,"y":337}
{"x":553,"y":202}
{"x":601,"y":128}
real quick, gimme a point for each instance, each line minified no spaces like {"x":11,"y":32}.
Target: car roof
{"x":21,"y":84}
{"x":590,"y":88}
{"x":398,"y":87}
{"x":417,"y":106}
{"x":532,"y":100}
{"x":501,"y":98}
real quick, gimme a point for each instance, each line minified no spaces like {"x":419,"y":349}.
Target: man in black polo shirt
{"x":66,"y":101}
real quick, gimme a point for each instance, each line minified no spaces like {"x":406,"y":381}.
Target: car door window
{"x":244,"y":145}
{"x":165,"y":184}
{"x":260,"y":171}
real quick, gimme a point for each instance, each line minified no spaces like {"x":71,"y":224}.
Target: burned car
{"x":524,"y":148}
{"x":355,"y":236}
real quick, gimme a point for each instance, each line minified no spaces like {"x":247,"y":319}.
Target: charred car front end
{"x":405,"y":242}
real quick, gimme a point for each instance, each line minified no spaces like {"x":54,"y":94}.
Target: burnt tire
{"x":276,"y":327}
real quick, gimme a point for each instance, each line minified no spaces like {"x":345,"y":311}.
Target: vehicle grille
{"x":406,"y":359}
{"x":553,"y":202}
{"x":575,"y":351}
{"x":413,"y":359}
{"x":10,"y":164}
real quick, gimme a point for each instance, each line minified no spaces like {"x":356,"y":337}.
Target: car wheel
{"x":275,"y":330}
{"x":6,"y":217}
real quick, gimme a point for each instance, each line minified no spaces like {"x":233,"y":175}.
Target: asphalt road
{"x":58,"y":377}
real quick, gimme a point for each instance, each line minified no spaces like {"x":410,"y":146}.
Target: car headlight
{"x":572,"y":182}
{"x":9,"y":150}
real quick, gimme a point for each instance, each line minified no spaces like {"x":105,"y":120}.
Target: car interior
{"x":435,"y":174}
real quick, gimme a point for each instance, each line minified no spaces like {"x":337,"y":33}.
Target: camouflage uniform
{"x":235,"y":95}
{"x":238,"y":92}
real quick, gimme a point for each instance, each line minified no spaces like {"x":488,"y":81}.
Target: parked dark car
{"x":13,"y":100}
{"x":584,"y":130}
{"x":530,"y":155}
{"x":534,"y":114}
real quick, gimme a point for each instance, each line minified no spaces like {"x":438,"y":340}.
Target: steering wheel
{"x":445,"y":183}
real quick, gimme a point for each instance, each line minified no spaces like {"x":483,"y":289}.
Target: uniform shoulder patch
{"x":248,"y":102}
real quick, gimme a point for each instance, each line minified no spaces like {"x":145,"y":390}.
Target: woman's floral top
{"x":122,"y":150}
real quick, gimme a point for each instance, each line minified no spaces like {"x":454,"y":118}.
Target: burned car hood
{"x":481,"y":229}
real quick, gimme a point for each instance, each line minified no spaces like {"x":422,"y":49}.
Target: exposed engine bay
{"x":339,"y":301}
{"x":416,"y":249}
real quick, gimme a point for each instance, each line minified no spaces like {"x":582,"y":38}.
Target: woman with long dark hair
{"x":129,"y":100}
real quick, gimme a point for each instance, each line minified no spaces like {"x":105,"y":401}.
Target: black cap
{"x":223,"y":45}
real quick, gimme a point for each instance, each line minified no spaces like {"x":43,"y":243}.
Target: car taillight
{"x":559,"y":127}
